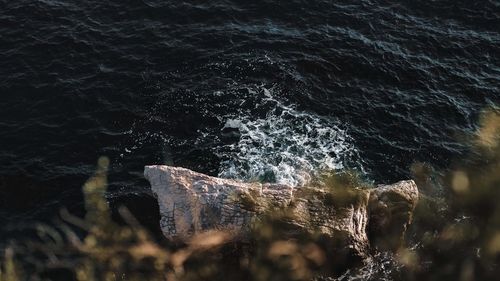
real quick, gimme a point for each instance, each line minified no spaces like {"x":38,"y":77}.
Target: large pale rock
{"x":192,"y":202}
{"x":352,"y":220}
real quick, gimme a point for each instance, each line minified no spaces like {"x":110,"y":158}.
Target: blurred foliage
{"x":343,"y":188}
{"x":455,"y":234}
{"x":98,"y":248}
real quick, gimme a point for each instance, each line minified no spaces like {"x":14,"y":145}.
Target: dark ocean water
{"x":243,"y":89}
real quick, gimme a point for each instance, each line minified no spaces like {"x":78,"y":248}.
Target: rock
{"x":191,"y":202}
{"x":350,"y":220}
{"x":391,"y":211}
{"x":341,"y":217}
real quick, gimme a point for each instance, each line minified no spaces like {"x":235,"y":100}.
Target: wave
{"x":286,"y":146}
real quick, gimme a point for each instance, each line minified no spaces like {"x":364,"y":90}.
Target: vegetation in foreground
{"x":454,"y":237}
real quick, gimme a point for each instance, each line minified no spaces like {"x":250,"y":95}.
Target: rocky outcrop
{"x":355,"y":219}
{"x":192,"y":202}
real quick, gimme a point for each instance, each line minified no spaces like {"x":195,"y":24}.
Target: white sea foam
{"x":286,"y":146}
